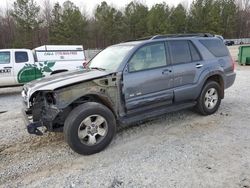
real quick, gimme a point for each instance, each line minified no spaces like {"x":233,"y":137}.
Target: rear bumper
{"x":230,"y":78}
{"x":32,"y":127}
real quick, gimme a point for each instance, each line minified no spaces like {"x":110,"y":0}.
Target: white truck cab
{"x":19,"y":66}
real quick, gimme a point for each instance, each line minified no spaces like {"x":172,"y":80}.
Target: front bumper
{"x":32,"y":127}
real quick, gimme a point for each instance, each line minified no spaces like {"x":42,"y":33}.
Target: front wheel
{"x":89,"y":128}
{"x":209,"y":99}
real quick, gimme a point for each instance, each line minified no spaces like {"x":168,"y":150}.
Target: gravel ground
{"x":180,"y":149}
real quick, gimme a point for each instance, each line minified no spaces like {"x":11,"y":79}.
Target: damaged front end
{"x":40,"y":112}
{"x":49,"y":102}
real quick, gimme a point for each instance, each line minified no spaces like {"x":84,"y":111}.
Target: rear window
{"x":4,"y":57}
{"x":216,"y":47}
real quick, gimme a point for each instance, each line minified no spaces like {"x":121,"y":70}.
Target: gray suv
{"x":127,"y":83}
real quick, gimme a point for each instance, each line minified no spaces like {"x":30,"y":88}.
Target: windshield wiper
{"x":98,"y":68}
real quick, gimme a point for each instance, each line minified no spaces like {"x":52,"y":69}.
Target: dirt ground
{"x":180,"y":149}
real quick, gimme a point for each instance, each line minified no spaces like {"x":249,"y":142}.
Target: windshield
{"x":110,"y":58}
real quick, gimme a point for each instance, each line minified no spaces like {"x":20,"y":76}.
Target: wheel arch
{"x":94,"y":97}
{"x":219,"y":79}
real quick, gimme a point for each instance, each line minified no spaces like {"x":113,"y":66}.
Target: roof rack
{"x":181,"y":35}
{"x":173,"y":36}
{"x":177,"y":35}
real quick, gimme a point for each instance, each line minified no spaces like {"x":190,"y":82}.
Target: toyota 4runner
{"x":129,"y":82}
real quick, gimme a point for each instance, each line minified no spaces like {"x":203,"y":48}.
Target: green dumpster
{"x":244,"y":55}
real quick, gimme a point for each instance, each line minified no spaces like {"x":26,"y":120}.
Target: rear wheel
{"x":89,"y":128}
{"x":209,"y":99}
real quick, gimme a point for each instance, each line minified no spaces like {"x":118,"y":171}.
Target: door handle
{"x":7,"y":67}
{"x":166,"y":71}
{"x":198,"y":66}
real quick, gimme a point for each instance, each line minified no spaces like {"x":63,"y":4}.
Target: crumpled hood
{"x":55,"y":81}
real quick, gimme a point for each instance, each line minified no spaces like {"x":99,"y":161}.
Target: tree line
{"x":27,"y":25}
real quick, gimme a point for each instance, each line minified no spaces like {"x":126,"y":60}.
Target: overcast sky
{"x":89,"y":5}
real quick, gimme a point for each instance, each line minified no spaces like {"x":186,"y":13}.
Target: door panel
{"x":186,"y":79}
{"x":187,"y":67}
{"x":6,"y":69}
{"x":148,"y":80}
{"x":25,"y":70}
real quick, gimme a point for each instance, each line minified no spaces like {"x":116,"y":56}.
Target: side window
{"x":148,"y":57}
{"x":216,"y":47}
{"x":194,"y":53}
{"x":4,"y":57}
{"x":21,"y":57}
{"x":180,"y":51}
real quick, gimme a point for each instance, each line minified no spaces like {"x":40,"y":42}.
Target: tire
{"x":89,"y":128}
{"x":207,"y":103}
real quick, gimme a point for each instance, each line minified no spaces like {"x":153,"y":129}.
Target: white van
{"x":18,"y":66}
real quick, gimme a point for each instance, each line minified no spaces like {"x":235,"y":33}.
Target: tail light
{"x":233,"y":64}
{"x":51,"y":98}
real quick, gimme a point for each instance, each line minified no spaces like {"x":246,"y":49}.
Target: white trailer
{"x":18,"y":66}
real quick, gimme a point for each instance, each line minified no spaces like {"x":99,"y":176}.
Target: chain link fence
{"x":90,"y":53}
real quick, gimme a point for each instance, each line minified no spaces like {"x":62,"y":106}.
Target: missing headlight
{"x":50,"y":98}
